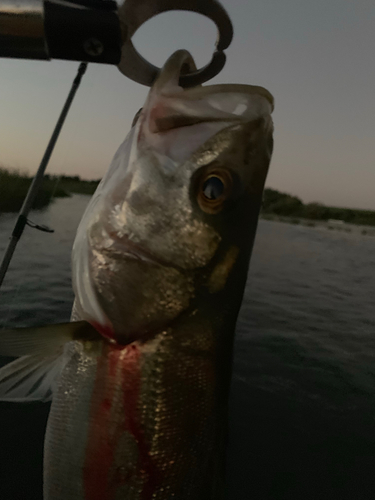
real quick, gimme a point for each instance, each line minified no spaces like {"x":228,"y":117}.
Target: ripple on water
{"x":302,"y":400}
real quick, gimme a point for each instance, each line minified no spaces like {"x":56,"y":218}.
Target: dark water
{"x":303,"y":394}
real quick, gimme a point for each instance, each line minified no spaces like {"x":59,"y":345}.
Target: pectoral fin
{"x":34,"y":375}
{"x":30,"y":378}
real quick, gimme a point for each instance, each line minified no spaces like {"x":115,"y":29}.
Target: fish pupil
{"x":213,"y":188}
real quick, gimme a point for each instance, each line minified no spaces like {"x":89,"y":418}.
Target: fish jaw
{"x":165,"y":293}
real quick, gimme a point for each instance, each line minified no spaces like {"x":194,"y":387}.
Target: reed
{"x":14,"y":185}
{"x":13,"y":188}
{"x":285,"y":205}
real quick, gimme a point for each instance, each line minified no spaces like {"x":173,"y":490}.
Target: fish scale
{"x":65,"y":442}
{"x":148,"y":429}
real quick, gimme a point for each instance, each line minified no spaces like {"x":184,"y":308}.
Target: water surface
{"x":302,"y":423}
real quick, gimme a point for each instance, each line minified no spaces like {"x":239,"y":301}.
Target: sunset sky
{"x":315,"y":57}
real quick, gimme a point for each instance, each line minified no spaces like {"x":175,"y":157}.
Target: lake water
{"x":302,"y":422}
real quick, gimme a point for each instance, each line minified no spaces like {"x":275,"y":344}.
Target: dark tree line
{"x":276,"y":203}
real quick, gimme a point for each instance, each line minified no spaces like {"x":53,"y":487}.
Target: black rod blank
{"x":38,"y":179}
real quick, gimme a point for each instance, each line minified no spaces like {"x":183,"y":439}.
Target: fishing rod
{"x":36,"y":184}
{"x":92,"y":31}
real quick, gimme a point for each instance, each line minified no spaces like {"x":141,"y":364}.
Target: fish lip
{"x":134,"y":251}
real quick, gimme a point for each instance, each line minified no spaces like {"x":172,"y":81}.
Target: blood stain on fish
{"x":101,"y":479}
{"x":131,"y":390}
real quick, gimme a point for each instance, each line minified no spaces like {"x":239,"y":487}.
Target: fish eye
{"x":214,"y":188}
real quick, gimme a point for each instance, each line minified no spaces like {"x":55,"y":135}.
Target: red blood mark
{"x":116,"y":368}
{"x":100,"y":449}
{"x":157,"y":112}
{"x":106,"y":331}
{"x":131,"y":392}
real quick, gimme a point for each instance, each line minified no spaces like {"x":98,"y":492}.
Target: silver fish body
{"x":159,"y":267}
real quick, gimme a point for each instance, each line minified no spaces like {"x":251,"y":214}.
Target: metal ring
{"x":134,"y":13}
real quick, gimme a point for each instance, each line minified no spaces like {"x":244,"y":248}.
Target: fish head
{"x":174,"y":219}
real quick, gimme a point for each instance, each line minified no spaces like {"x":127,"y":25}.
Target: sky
{"x":315,"y":57}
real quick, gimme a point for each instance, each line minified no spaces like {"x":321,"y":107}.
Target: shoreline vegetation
{"x":286,"y":208}
{"x":14,"y":186}
{"x":276,"y":205}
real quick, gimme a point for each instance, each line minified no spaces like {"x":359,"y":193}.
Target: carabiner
{"x":133,"y":13}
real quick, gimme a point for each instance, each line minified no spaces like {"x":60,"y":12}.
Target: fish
{"x":140,"y":378}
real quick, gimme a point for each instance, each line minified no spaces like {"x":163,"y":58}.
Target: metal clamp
{"x":134,"y":13}
{"x":94,"y":31}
